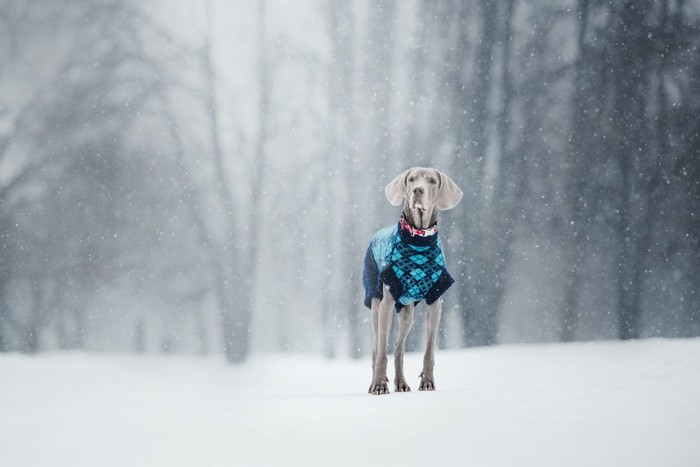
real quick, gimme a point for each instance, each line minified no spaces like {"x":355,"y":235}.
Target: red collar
{"x":417,"y":232}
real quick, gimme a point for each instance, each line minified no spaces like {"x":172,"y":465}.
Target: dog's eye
{"x":432,"y":181}
{"x":412,"y":179}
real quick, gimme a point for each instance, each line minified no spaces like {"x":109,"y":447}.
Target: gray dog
{"x":404,"y":264}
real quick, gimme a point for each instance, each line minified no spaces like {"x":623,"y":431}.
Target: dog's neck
{"x":420,"y":219}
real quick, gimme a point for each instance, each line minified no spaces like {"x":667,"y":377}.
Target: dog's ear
{"x":395,"y":191}
{"x":449,"y":194}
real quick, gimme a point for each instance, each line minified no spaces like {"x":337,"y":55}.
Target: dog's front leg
{"x":384,"y":315}
{"x":405,"y":323}
{"x":375,"y":334}
{"x":427,"y":380}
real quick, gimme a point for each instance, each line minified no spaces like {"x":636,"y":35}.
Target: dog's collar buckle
{"x":415,"y":231}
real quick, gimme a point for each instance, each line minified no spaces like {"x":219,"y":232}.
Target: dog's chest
{"x":417,"y":265}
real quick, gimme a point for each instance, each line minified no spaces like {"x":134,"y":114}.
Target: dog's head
{"x":424,"y":190}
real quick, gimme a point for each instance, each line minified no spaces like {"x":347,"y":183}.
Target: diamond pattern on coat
{"x":418,"y":268}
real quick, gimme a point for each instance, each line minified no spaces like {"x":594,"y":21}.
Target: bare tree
{"x":233,"y":284}
{"x":469,"y":167}
{"x":577,"y":168}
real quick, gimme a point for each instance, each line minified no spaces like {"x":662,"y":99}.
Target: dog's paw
{"x":427,"y":383}
{"x":402,"y":386}
{"x":378,"y":388}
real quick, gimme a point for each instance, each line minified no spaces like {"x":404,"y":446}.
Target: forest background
{"x":204,"y":176}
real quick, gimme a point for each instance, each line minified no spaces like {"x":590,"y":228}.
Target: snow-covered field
{"x":588,"y":404}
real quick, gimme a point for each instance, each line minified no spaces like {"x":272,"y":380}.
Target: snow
{"x":600,"y":403}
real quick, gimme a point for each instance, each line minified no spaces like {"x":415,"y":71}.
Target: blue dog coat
{"x":413,"y":266}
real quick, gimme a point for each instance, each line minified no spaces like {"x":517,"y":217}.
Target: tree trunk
{"x":35,"y":324}
{"x":510,"y":189}
{"x":378,"y":80}
{"x":234,"y":314}
{"x":5,"y":276}
{"x":249,"y":270}
{"x":574,"y":233}
{"x":630,"y":141}
{"x":340,"y":28}
{"x":469,"y":167}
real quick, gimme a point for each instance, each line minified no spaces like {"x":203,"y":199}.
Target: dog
{"x":404,"y":264}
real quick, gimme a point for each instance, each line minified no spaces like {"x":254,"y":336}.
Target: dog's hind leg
{"x":427,"y":380}
{"x":382,"y":318}
{"x":405,"y":323}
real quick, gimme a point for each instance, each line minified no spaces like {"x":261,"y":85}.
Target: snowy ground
{"x":587,"y":404}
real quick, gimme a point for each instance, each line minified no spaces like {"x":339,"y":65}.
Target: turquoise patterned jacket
{"x":413,"y":266}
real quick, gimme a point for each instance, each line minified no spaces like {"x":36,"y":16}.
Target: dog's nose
{"x":418,"y":191}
